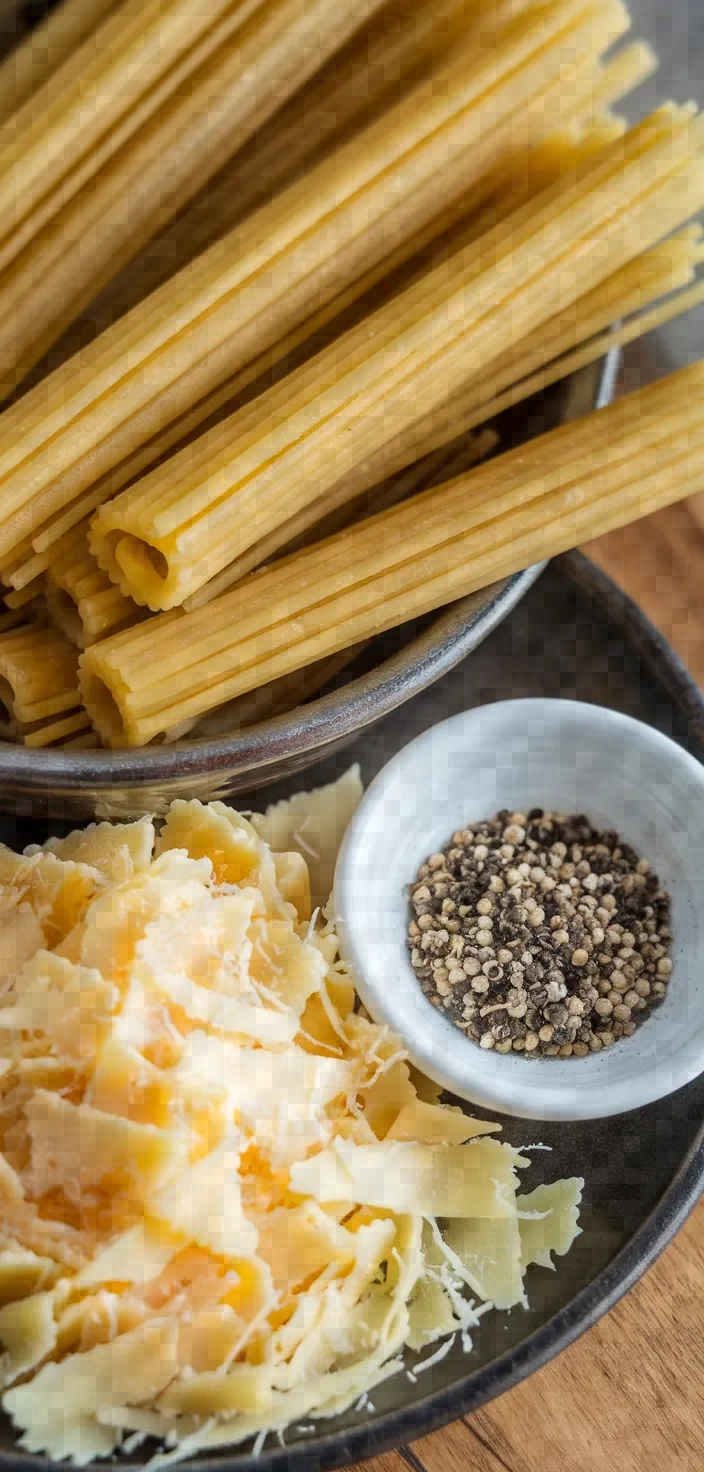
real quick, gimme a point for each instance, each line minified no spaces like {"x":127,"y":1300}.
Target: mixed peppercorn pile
{"x":537,"y":934}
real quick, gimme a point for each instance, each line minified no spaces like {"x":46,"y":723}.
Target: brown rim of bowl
{"x":456,"y":631}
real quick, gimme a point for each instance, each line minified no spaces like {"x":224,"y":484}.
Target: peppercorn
{"x":557,"y":935}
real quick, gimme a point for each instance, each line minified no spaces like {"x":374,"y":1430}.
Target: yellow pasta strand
{"x":537,"y":169}
{"x":98,"y":97}
{"x":324,"y":232}
{"x":558,"y":95}
{"x":39,"y":692}
{"x":45,"y":48}
{"x":157,"y":171}
{"x":168,"y":535}
{"x":80,"y":598}
{"x":28,"y":560}
{"x":399,"y":46}
{"x":645,"y":451}
{"x":275,"y":699}
{"x":505,"y":383}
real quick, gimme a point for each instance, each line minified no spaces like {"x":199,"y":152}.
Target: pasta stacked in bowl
{"x":207,"y":486}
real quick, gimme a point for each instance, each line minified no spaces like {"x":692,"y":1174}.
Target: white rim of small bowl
{"x":596,"y":1089}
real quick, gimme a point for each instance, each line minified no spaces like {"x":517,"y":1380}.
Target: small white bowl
{"x":519,"y":754}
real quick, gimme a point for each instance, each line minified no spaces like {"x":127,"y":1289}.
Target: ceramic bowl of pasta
{"x":269,"y":733}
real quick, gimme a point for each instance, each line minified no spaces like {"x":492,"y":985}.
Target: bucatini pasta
{"x":513,"y":183}
{"x":544,"y":357}
{"x":599,"y":472}
{"x":96,"y":99}
{"x":80,"y":597}
{"x":439,"y":214}
{"x":39,"y":688}
{"x":157,"y":171}
{"x":251,"y":1178}
{"x":400,"y":45}
{"x":41,"y":52}
{"x":323,"y":233}
{"x":166,"y":536}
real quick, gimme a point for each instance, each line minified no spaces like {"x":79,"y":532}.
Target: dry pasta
{"x":39,"y":687}
{"x":540,"y":360}
{"x":400,"y":45}
{"x":96,"y":99}
{"x":157,"y":171}
{"x":80,"y":598}
{"x":645,"y":451}
{"x":166,"y":536}
{"x":318,"y":236}
{"x":44,"y":49}
{"x":275,"y":699}
{"x":535,"y":172}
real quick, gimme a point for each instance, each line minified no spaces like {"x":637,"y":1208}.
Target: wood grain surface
{"x":627,"y":1397}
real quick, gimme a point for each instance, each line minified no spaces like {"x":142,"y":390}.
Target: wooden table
{"x":627,"y":1397}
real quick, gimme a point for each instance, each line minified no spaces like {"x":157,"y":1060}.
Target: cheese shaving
{"x":227,"y":1204}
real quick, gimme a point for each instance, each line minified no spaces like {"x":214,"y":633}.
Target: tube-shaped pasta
{"x":30,"y":559}
{"x":97,"y":98}
{"x":160,"y":168}
{"x":45,"y":48}
{"x":169,"y":534}
{"x":571,"y":340}
{"x":41,"y":704}
{"x":80,"y":598}
{"x":548,"y":163}
{"x":271,"y":700}
{"x":400,"y":45}
{"x":287,"y":260}
{"x":596,"y":473}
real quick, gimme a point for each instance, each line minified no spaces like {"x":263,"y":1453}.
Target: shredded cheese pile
{"x":228,"y":1205}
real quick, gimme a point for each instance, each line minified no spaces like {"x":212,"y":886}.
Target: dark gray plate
{"x":576,"y":636}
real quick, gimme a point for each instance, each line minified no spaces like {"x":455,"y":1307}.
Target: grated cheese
{"x":256,"y":1170}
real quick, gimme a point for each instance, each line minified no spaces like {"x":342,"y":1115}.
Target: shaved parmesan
{"x":204,"y":1203}
{"x":490,"y":1253}
{"x":220,"y":1183}
{"x":293,"y":881}
{"x":136,"y":1257}
{"x":21,"y":936}
{"x":243,"y":1389}
{"x":292,"y":968}
{"x":429,"y":1314}
{"x":217,"y":832}
{"x":280,"y":1097}
{"x":459,"y":1180}
{"x":76,"y":1147}
{"x":207,"y":941}
{"x":542,"y":1236}
{"x":313,"y":823}
{"x":230,"y":1015}
{"x":430,"y":1124}
{"x":69,"y":1005}
{"x":116,"y":850}
{"x":301,"y":1241}
{"x":385,"y":1100}
{"x":23,"y":1273}
{"x":27,"y":1334}
{"x":58,"y":1408}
